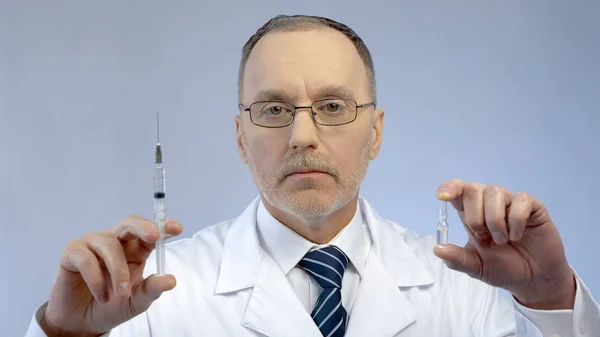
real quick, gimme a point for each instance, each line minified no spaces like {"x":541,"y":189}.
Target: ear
{"x":377,"y":133}
{"x":239,"y":133}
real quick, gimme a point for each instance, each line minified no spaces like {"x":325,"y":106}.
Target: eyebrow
{"x":272,"y":95}
{"x":337,"y":91}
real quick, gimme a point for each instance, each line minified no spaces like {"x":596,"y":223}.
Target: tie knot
{"x":326,"y":265}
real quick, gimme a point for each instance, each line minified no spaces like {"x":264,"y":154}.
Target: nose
{"x":304,"y":131}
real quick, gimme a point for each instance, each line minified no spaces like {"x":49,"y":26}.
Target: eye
{"x":275,"y":110}
{"x":333,"y":107}
{"x":272,"y":109}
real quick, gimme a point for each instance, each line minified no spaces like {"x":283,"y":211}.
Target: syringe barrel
{"x":159,"y":214}
{"x":159,"y":179}
{"x":159,"y":197}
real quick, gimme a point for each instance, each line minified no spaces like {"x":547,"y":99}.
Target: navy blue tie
{"x":326,"y":266}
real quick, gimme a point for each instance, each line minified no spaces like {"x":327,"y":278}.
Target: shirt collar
{"x":287,"y":247}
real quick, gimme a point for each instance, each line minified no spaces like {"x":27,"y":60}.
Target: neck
{"x":319,"y":230}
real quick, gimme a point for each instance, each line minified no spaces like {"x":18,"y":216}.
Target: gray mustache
{"x":293,"y":164}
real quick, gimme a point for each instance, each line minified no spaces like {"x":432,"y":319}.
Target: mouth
{"x":306,"y":172}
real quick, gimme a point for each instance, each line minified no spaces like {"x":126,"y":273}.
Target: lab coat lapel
{"x":380,"y":307}
{"x":273,"y":308}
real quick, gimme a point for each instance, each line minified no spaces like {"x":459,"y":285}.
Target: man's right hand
{"x":100,"y":281}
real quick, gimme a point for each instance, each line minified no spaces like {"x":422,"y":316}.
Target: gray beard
{"x":308,"y":202}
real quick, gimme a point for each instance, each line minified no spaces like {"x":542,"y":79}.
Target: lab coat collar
{"x":396,"y":255}
{"x":287,"y":247}
{"x":389,"y":245}
{"x":242,"y":254}
{"x":273,"y":307}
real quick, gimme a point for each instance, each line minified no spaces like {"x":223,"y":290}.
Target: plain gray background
{"x":499,"y":92}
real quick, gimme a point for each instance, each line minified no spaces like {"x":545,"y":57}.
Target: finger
{"x":520,"y":209}
{"x":147,"y":291}
{"x":138,"y":251}
{"x":460,"y":259}
{"x":495,"y":201}
{"x":134,"y":227}
{"x":452,"y":191}
{"x":109,"y":249}
{"x":173,"y":228}
{"x":473,"y":216}
{"x":79,"y":258}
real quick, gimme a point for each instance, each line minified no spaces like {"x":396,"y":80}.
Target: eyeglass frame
{"x":312,"y":114}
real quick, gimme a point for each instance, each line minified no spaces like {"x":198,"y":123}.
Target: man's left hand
{"x":513,"y":244}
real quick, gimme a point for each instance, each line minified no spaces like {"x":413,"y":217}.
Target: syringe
{"x":442,"y":225}
{"x":159,"y":202}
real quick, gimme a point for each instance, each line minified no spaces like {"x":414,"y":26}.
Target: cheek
{"x":347,"y":149}
{"x":266,"y":151}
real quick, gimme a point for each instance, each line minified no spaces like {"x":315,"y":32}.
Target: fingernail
{"x":513,"y":236}
{"x":499,"y":238}
{"x":124,"y":288}
{"x":443,"y":193}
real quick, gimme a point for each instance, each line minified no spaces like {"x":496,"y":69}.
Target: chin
{"x":309,"y":203}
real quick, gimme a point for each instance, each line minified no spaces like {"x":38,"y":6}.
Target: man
{"x":309,"y":257}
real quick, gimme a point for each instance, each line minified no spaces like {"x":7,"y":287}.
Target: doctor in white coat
{"x":309,"y":257}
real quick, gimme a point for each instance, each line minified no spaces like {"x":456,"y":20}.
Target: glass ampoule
{"x":442,"y":225}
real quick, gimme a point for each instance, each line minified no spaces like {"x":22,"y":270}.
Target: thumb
{"x":149,"y":290}
{"x":464,"y":260}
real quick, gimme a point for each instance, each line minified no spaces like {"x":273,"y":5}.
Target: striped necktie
{"x":326,"y":266}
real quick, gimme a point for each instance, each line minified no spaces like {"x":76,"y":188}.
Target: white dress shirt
{"x":287,"y":248}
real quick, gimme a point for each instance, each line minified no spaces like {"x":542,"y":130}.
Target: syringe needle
{"x":157,"y":129}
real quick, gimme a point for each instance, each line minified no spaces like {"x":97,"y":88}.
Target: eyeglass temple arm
{"x":241,"y":106}
{"x":374,"y":104}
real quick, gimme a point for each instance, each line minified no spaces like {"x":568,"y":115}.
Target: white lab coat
{"x":228,"y":286}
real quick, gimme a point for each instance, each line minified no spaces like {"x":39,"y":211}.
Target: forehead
{"x":304,"y":64}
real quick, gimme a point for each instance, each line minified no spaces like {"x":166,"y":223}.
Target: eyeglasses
{"x":328,"y":112}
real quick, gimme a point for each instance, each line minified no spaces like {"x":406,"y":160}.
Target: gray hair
{"x":286,"y":23}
